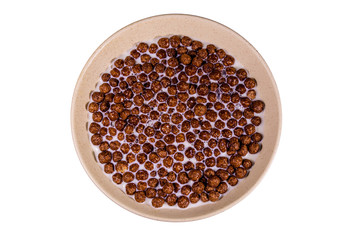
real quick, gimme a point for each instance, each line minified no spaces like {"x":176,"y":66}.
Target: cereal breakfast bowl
{"x":176,"y":117}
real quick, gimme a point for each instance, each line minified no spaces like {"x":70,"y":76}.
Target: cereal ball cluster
{"x":173,"y":121}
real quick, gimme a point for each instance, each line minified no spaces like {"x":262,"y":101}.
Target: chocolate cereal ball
{"x":140,"y":197}
{"x":214,"y":181}
{"x":214,"y":196}
{"x":258,"y":106}
{"x":157,"y":202}
{"x":232,"y":181}
{"x":117,"y":178}
{"x":183,"y":202}
{"x":240,"y":172}
{"x":198,"y":187}
{"x":204,"y":197}
{"x":130,"y":188}
{"x":222,"y":188}
{"x":247,"y":164}
{"x":195,"y":175}
{"x":171,"y":199}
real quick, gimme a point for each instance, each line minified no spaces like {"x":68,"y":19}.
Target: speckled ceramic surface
{"x":197,"y":28}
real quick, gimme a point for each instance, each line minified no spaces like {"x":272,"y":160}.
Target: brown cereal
{"x":114,"y":145}
{"x":154,"y":157}
{"x":94,"y":128}
{"x":242,"y":122}
{"x":215,"y":75}
{"x":212,"y":143}
{"x":256,"y":121}
{"x":222,"y":174}
{"x":105,"y":76}
{"x":181,"y":147}
{"x":194,"y":198}
{"x":157,"y":202}
{"x":214,"y":196}
{"x":97,"y":116}
{"x":164,"y":42}
{"x":134,"y":53}
{"x":103,"y":131}
{"x":186,"y":41}
{"x":222,"y":144}
{"x":171,"y":149}
{"x":199,"y":156}
{"x":186,"y":190}
{"x":149,"y":165}
{"x":185,"y":94}
{"x":200,"y":109}
{"x":254,"y":147}
{"x":209,"y":173}
{"x":171,"y":199}
{"x":122,"y":166}
{"x":199,"y":145}
{"x":210,"y":162}
{"x":198,"y":187}
{"x":153,"y":47}
{"x":219,"y":106}
{"x":245,"y":139}
{"x":183,"y":202}
{"x":230,"y":169}
{"x":240,"y":172}
{"x":195,"y":175}
{"x":257,"y":137}
{"x":204,"y":197}
{"x":140,"y":196}
{"x":248,"y":113}
{"x":249,"y":129}
{"x":171,"y":176}
{"x":232,"y":181}
{"x":222,"y":188}
{"x":195,"y":45}
{"x":222,"y":162}
{"x":128,"y":177}
{"x":141,"y":186}
{"x":177,"y":167}
{"x":214,"y":181}
{"x":185,"y":126}
{"x":117,"y":178}
{"x":243,"y":150}
{"x":109,"y":168}
{"x":174,"y":41}
{"x":168,"y":188}
{"x":181,"y":107}
{"x":93,"y":107}
{"x":153,"y":182}
{"x":104,"y":157}
{"x":250,"y":83}
{"x":200,"y":166}
{"x":130,"y":188}
{"x":117,"y":156}
{"x":183,"y":177}
{"x":185,"y":59}
{"x":247,"y":164}
{"x":257,"y":106}
{"x":213,"y":58}
{"x":179,"y":156}
{"x":251,"y":94}
{"x":236,"y":161}
{"x":150,"y":192}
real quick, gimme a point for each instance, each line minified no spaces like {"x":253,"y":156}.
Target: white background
{"x":311,"y":191}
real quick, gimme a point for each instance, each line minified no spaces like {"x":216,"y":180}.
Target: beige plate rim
{"x":250,"y":58}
